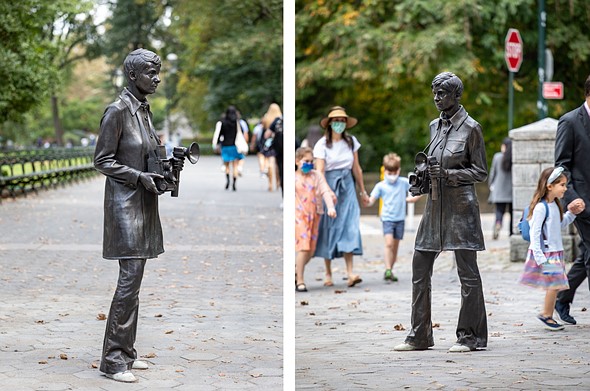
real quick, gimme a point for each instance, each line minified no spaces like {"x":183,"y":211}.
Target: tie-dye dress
{"x":309,"y":191}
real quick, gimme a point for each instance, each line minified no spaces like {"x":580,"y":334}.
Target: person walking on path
{"x":393,"y":190}
{"x":544,"y":267}
{"x":572,"y":143}
{"x":270,"y":120}
{"x":451,"y":220}
{"x":310,"y":189}
{"x":132,"y":229}
{"x":336,"y":155}
{"x":228,"y":130}
{"x":500,"y":184}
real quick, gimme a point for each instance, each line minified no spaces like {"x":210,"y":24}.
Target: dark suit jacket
{"x":572,"y":151}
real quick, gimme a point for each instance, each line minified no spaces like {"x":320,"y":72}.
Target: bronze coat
{"x":132,"y":226}
{"x":453,"y":221}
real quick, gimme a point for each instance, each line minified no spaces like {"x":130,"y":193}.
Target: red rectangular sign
{"x":553,"y":90}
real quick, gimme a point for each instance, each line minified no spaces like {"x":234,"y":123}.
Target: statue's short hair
{"x":450,"y":82}
{"x":138,"y":59}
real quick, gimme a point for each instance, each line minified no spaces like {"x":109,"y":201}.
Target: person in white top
{"x":336,"y":156}
{"x":544,"y":267}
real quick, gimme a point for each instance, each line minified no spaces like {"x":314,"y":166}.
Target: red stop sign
{"x":513,"y":50}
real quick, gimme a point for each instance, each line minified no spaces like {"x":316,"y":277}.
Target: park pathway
{"x":345,"y":336}
{"x":211,"y":305}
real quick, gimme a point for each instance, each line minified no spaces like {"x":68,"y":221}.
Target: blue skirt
{"x":230,"y":153}
{"x":342,"y":234}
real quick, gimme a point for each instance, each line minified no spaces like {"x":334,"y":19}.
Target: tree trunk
{"x":59,"y":131}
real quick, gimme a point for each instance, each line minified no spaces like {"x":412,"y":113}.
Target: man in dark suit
{"x":572,"y":145}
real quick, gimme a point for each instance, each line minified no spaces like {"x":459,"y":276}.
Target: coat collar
{"x":132,"y":103}
{"x":456,"y":120}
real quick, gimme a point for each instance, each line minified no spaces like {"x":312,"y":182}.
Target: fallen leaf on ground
{"x":63,"y":356}
{"x":434,"y":325}
{"x":101,"y":316}
{"x":42,"y":362}
{"x":168,"y":331}
{"x":304,"y":302}
{"x":149,"y":355}
{"x":399,"y":327}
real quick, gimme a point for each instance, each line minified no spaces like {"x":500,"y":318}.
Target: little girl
{"x":310,"y":188}
{"x":544,"y":267}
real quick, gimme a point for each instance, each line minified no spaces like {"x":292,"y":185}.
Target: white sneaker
{"x":125,"y":377}
{"x":457,"y":348}
{"x":139,"y":365}
{"x":404,"y":347}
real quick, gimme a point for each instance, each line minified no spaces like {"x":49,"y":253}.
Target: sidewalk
{"x":211,"y":305}
{"x":345,"y":336}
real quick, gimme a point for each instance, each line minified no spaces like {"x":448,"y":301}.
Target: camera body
{"x":158,"y":163}
{"x":420,"y":181}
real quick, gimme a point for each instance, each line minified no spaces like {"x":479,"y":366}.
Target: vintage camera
{"x":159,"y":164}
{"x":420,"y":181}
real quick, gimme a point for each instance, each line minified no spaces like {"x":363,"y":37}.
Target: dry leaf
{"x":434,"y":325}
{"x":256,"y":374}
{"x":584,"y":309}
{"x":312,"y":314}
{"x":338,"y":291}
{"x":40,"y":321}
{"x":399,"y":327}
{"x":158,"y":316}
{"x":63,"y":356}
{"x":101,"y":316}
{"x":42,"y":362}
{"x":94,"y":365}
{"x":517,"y":324}
{"x":168,"y":331}
{"x":304,"y":302}
{"x":180,"y":370}
{"x":149,"y":355}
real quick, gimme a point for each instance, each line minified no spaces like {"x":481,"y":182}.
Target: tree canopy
{"x":378,"y":58}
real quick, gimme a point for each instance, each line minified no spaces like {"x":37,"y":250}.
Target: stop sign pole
{"x":513,"y":56}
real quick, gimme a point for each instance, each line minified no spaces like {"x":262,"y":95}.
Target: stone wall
{"x":533,"y":149}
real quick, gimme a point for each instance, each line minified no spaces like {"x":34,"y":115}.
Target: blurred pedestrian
{"x":544,"y":267}
{"x":500,"y":184}
{"x":310,"y":189}
{"x":271,"y":122}
{"x":228,"y":130}
{"x":314,"y":133}
{"x":132,"y":229}
{"x":451,"y":219}
{"x":336,"y":155}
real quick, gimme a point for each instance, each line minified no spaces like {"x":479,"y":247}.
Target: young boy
{"x":393,"y":190}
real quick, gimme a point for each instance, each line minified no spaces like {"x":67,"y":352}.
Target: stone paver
{"x":345,"y":336}
{"x":211,"y":305}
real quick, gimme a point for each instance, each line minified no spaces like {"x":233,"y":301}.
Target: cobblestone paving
{"x":345,"y":336}
{"x":211,"y":305}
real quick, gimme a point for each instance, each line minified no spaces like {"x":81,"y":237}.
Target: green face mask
{"x":338,"y":127}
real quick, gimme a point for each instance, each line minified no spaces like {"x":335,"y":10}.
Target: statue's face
{"x":443,"y":99}
{"x":148,"y":78}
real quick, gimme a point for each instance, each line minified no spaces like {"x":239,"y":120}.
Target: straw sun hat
{"x":338,"y":112}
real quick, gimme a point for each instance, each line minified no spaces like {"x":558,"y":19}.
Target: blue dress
{"x":342,"y":234}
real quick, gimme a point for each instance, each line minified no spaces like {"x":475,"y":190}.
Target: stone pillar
{"x":533,"y":150}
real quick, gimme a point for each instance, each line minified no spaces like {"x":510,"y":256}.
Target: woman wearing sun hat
{"x":336,"y":156}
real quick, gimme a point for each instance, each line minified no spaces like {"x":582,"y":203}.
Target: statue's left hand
{"x":177,"y":163}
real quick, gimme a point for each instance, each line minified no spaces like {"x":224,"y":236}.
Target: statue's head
{"x":447,"y":89}
{"x":138,"y":61}
{"x":449,"y":82}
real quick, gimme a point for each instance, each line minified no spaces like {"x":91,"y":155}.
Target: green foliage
{"x":377,"y":58}
{"x":231,"y":53}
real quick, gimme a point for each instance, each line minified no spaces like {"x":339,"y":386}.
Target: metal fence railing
{"x":26,"y":170}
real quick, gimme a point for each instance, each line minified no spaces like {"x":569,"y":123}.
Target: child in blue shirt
{"x":393,"y":190}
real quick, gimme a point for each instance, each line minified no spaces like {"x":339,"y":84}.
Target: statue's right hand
{"x":147,"y":180}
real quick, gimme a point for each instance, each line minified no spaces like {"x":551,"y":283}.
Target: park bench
{"x":22,"y":171}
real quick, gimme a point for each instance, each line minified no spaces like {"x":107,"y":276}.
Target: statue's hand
{"x":147,"y":179}
{"x":436,"y":171}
